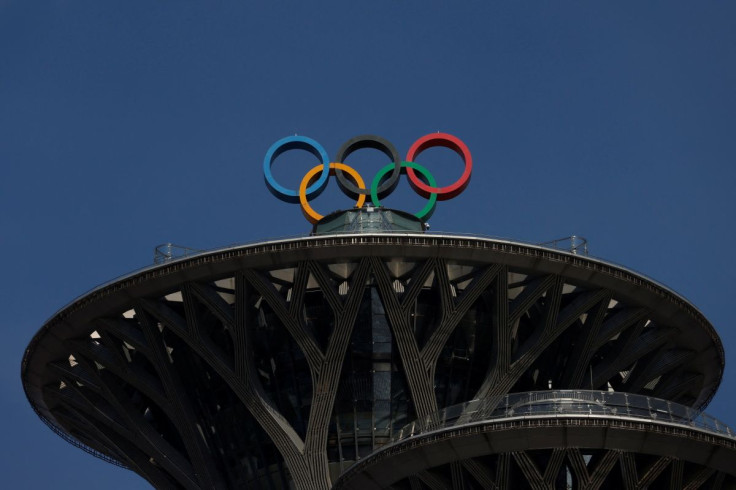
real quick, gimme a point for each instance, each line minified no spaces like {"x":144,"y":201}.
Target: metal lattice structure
{"x":300,"y":363}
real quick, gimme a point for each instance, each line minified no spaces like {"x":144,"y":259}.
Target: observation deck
{"x":304,"y":362}
{"x":519,"y":426}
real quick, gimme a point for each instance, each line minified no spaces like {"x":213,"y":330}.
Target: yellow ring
{"x":309,"y":213}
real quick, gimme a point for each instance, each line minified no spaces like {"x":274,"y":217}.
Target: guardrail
{"x":168,"y":251}
{"x":573,"y":244}
{"x":540,"y":404}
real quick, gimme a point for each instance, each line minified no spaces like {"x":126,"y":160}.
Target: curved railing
{"x":564,"y":403}
{"x":167,"y":252}
{"x":573,"y":244}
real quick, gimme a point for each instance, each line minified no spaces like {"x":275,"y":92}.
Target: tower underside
{"x":290,"y":363}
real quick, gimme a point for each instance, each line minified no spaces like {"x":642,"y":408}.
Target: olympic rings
{"x":448,"y":141}
{"x":384,"y":182}
{"x":309,"y":213}
{"x":427,"y":211}
{"x":369,"y":141}
{"x":293,"y":143}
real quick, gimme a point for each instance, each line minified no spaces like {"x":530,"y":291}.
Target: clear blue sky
{"x":128,"y":124}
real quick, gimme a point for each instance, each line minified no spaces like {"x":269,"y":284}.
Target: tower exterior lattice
{"x":387,"y":358}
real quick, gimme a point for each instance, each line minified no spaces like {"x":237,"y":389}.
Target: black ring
{"x":377,"y":143}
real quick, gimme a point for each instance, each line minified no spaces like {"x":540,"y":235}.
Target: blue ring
{"x":295,"y":143}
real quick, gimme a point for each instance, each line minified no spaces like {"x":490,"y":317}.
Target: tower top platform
{"x":492,"y":317}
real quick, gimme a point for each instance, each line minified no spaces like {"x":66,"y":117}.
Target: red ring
{"x":447,"y":141}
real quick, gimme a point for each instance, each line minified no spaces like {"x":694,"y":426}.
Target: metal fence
{"x":168,"y":251}
{"x":565,"y":403}
{"x":573,"y":244}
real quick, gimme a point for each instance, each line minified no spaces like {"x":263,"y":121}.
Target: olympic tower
{"x":374,"y":354}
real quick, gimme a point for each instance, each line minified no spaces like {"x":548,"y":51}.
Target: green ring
{"x":427,"y":211}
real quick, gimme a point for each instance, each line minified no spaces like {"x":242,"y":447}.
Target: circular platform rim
{"x":210,"y":264}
